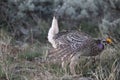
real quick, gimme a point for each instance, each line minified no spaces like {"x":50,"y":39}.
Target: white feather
{"x":53,"y":31}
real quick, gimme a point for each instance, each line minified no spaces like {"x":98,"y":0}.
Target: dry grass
{"x":28,"y":63}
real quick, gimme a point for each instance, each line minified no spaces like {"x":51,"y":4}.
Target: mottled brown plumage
{"x":75,"y":42}
{"x":70,"y":45}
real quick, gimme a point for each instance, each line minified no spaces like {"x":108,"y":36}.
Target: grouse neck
{"x":100,"y":46}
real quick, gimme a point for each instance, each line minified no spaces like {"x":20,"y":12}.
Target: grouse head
{"x":107,"y":41}
{"x":102,"y":42}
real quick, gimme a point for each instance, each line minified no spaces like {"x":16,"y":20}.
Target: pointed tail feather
{"x":53,"y":31}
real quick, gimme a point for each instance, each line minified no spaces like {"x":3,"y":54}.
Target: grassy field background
{"x":24,"y":26}
{"x":28,"y":62}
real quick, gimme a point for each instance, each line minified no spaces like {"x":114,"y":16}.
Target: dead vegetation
{"x":29,"y":21}
{"x":27,"y":62}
